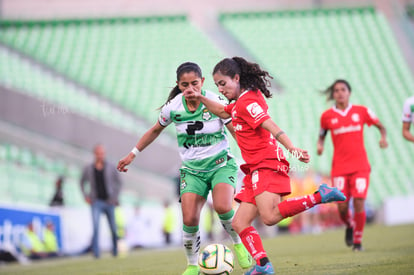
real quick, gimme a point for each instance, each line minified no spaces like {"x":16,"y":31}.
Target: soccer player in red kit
{"x":350,"y":166}
{"x":266,"y":168}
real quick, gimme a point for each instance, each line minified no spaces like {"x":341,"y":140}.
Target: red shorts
{"x":263,"y":179}
{"x":353,"y":185}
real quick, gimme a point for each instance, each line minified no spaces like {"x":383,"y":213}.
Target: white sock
{"x":191,"y":243}
{"x":229,"y":229}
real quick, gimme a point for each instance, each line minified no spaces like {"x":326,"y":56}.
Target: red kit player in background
{"x":266,"y":168}
{"x":350,"y":166}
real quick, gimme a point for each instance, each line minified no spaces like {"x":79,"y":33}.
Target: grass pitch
{"x":388,"y":250}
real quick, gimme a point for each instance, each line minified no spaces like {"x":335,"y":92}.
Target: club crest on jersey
{"x":183,"y":184}
{"x":254,"y":109}
{"x":206,"y":115}
{"x":355,"y":117}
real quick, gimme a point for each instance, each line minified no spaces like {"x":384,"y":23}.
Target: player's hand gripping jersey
{"x":347,"y":132}
{"x":202,"y":141}
{"x":258,"y":147}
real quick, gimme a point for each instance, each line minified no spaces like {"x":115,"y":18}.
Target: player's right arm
{"x":407,"y":120}
{"x":321,"y":141}
{"x":213,"y":106}
{"x":322,"y":135}
{"x":142,"y":143}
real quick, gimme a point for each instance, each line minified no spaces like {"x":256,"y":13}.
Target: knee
{"x":270,"y":219}
{"x":222,"y":207}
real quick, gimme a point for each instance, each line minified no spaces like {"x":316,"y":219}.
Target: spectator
{"x":105,"y":186}
{"x":57,"y":199}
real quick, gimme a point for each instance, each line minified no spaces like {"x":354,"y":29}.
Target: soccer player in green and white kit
{"x":206,"y":161}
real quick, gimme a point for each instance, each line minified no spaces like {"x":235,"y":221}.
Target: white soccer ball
{"x":216,"y":259}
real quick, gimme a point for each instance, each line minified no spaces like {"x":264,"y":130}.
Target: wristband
{"x":135,"y":151}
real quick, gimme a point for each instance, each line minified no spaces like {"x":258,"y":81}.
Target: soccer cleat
{"x":243,"y":256}
{"x":257,"y":270}
{"x":349,"y":236}
{"x":357,"y":247}
{"x":191,"y":270}
{"x":329,"y":194}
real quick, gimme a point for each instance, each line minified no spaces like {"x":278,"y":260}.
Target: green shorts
{"x":201,"y":183}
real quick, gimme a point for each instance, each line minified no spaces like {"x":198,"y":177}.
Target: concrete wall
{"x":76,"y":135}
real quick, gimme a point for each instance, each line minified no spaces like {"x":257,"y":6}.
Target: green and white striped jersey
{"x":202,"y":141}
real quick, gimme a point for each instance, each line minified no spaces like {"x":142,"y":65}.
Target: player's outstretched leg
{"x":192,"y":270}
{"x":257,"y":269}
{"x":243,"y":256}
{"x":330,"y":194}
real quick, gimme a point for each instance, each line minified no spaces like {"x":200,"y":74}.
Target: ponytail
{"x":252,"y":77}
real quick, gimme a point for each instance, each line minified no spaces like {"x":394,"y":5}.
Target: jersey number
{"x":196,"y":126}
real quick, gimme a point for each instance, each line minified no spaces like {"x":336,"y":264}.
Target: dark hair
{"x":330,"y":90}
{"x":251,"y":75}
{"x":182,"y":69}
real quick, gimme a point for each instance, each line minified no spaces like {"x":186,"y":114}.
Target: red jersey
{"x":347,"y":132}
{"x":258,"y":147}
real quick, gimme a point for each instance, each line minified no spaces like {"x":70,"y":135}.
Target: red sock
{"x":253,"y":243}
{"x":293,"y":206}
{"x":347,"y":218}
{"x":359,"y":219}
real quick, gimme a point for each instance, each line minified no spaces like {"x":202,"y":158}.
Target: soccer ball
{"x":216,"y":259}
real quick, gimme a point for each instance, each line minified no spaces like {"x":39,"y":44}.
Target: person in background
{"x":102,"y":195}
{"x":31,"y":245}
{"x":50,"y":240}
{"x":408,"y":118}
{"x":168,"y":223}
{"x":58,"y":199}
{"x":350,"y":166}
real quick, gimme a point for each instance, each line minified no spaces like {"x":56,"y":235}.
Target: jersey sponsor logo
{"x":254,"y":109}
{"x":163,"y":118}
{"x":206,"y":115}
{"x":177,"y":117}
{"x":347,"y":129}
{"x":238,"y":127}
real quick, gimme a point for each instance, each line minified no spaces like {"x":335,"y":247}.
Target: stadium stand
{"x":306,"y":50}
{"x":19,"y":73}
{"x":131,"y":61}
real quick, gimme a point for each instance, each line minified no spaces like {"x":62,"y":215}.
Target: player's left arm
{"x":383,"y":141}
{"x":283,"y":138}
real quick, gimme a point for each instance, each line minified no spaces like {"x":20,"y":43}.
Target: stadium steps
{"x":131,"y":61}
{"x":20,"y":72}
{"x":306,"y":50}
